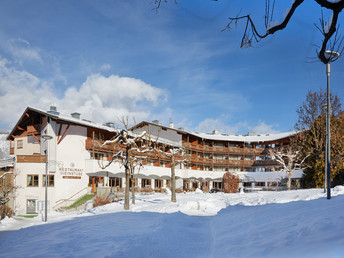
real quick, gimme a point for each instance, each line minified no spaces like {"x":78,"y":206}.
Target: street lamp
{"x":332,"y":56}
{"x":324,"y":110}
{"x":46,"y":137}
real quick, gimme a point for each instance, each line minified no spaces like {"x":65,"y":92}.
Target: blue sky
{"x":106,"y":59}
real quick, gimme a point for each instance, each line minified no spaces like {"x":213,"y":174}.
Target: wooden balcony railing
{"x":265,"y":163}
{"x":224,"y":150}
{"x":222,"y":162}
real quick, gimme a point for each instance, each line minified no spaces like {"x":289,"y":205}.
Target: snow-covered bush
{"x":147,"y":189}
{"x":100,"y":200}
{"x":230,"y":183}
{"x":5,"y":211}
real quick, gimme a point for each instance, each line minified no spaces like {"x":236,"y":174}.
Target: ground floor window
{"x":247,"y":184}
{"x":168,"y":183}
{"x":158,"y":183}
{"x":32,"y":180}
{"x":115,"y":182}
{"x":186,"y":184}
{"x":145,"y":182}
{"x":260,"y":184}
{"x":96,"y":180}
{"x":51,"y":180}
{"x":194,"y":185}
{"x":217,"y":185}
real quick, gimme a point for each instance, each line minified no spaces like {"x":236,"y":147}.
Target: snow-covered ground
{"x":300,"y":223}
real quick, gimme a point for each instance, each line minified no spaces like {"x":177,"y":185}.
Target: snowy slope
{"x":4,"y":145}
{"x":300,"y":223}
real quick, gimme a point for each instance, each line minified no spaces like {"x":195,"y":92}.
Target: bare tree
{"x":131,"y":159}
{"x":6,"y":189}
{"x":289,"y":157}
{"x":176,"y":156}
{"x":329,"y":30}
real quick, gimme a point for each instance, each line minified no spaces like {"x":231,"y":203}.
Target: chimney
{"x":251,"y":134}
{"x":215,"y":132}
{"x":171,"y":125}
{"x":76,"y":115}
{"x":53,"y":110}
{"x":155,"y":122}
{"x":110,"y":124}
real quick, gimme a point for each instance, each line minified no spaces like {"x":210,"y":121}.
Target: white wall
{"x":66,"y":163}
{"x":169,"y":136}
{"x":30,"y":145}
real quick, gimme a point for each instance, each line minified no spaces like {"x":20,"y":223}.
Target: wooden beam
{"x":20,"y":128}
{"x":35,"y":137}
{"x":59,"y":134}
{"x":27,"y":114}
{"x":65,"y":131}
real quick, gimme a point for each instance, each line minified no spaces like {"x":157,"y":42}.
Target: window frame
{"x":33,"y":180}
{"x":49,"y":180}
{"x":21,"y":145}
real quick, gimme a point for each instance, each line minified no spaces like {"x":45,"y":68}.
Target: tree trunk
{"x":126,"y":195}
{"x":132,"y":189}
{"x":289,"y":181}
{"x":173,"y":181}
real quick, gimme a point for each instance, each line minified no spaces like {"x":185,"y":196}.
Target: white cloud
{"x":263,"y":128}
{"x":105,"y":67}
{"x":209,"y":125}
{"x":22,"y":50}
{"x":100,"y":99}
{"x":106,"y":98}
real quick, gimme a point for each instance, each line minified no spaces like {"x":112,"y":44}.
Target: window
{"x":158,"y":183}
{"x":32,"y":180}
{"x":145,"y":182}
{"x":19,"y":144}
{"x":51,"y":180}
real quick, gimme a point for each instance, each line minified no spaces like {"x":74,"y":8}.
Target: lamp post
{"x":332,"y":57}
{"x":324,"y":109}
{"x":46,"y":137}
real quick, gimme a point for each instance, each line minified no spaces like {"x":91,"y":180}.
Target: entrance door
{"x":31,"y":207}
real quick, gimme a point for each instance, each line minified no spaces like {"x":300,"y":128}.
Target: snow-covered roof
{"x":226,"y":137}
{"x":69,"y":119}
{"x":244,"y":138}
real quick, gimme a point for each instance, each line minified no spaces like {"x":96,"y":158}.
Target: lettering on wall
{"x":71,"y":172}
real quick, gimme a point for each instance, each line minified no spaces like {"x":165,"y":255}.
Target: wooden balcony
{"x":265,"y":163}
{"x":31,"y":158}
{"x":224,"y":150}
{"x":11,"y":151}
{"x":222,"y":162}
{"x":97,"y":145}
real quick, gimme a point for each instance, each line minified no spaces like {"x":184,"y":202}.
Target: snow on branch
{"x":289,"y":157}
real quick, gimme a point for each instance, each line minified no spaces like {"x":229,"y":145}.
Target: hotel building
{"x":75,"y":151}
